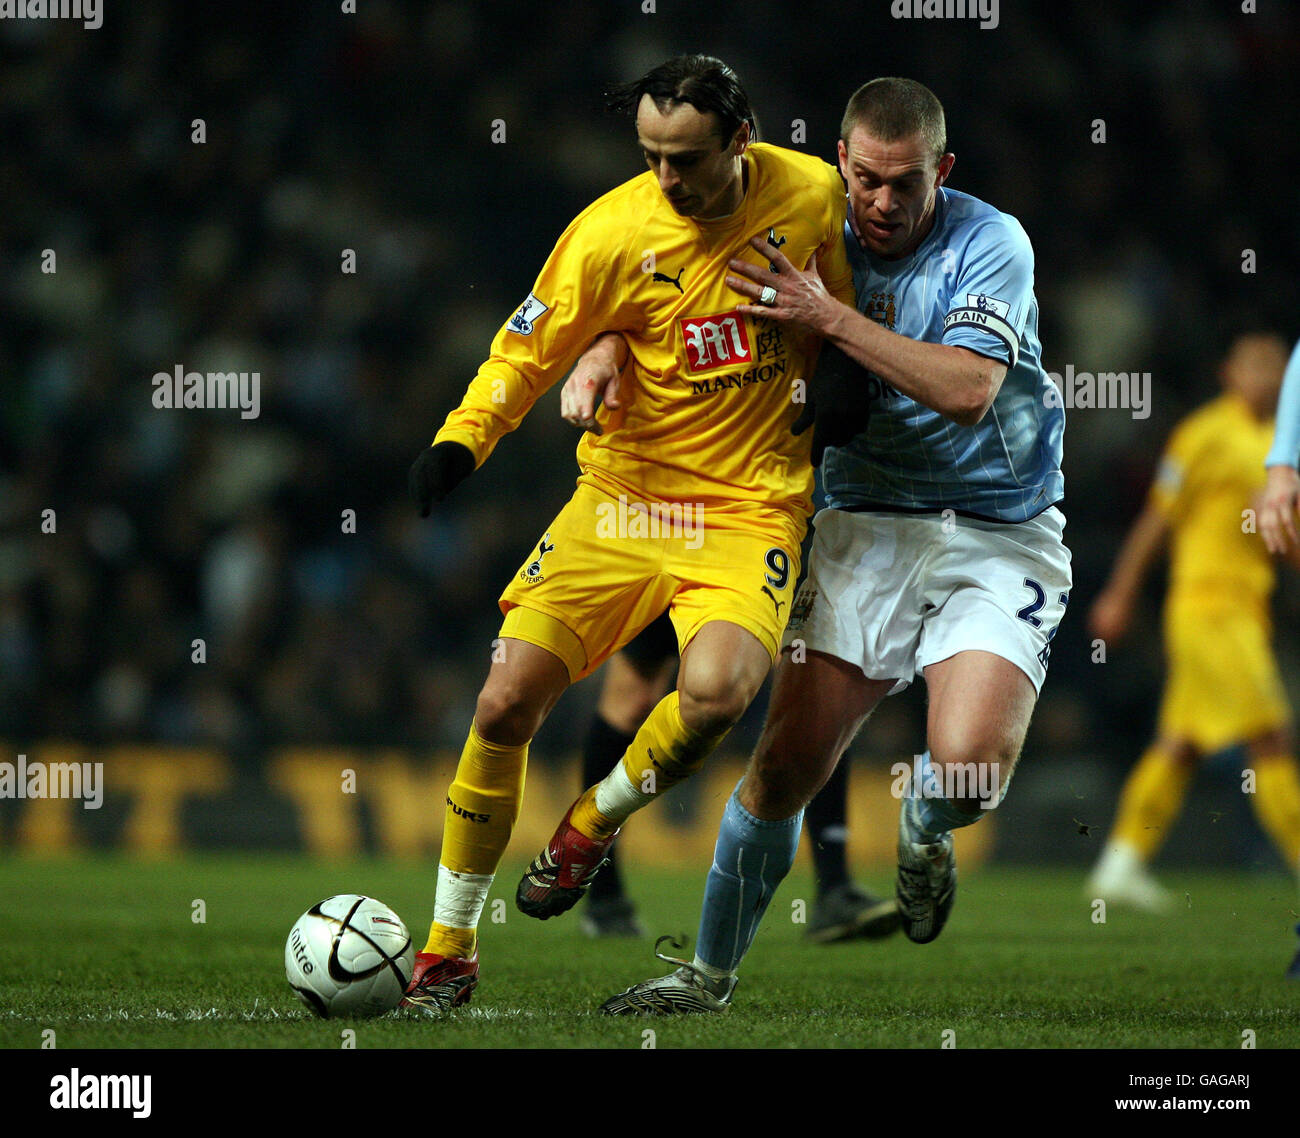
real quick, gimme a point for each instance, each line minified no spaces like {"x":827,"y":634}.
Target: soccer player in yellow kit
{"x":1223,"y":685}
{"x":693,"y":498}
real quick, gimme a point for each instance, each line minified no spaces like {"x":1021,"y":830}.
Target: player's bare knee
{"x":639,"y":708}
{"x":709,"y":709}
{"x":971,"y":777}
{"x":626,"y":712}
{"x":1182,"y":752}
{"x":1274,"y":744}
{"x":631,"y":692}
{"x":626,"y":720}
{"x":506,"y":713}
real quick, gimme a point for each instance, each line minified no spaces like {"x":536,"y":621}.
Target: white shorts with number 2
{"x":894,"y":593}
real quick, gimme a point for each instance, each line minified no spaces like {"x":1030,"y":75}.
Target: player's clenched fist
{"x":437,"y":472}
{"x":1277,"y":508}
{"x":594,"y":378}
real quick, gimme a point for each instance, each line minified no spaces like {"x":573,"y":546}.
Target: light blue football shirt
{"x":969,"y":283}
{"x":1286,"y":436}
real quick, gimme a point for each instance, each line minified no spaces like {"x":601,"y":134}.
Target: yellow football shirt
{"x":1223,"y":683}
{"x":709,"y":394}
{"x":1211,"y":472}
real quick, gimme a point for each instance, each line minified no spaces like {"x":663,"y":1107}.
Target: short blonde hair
{"x":893,"y":108}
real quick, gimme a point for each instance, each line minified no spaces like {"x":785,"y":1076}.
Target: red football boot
{"x":439,"y":983}
{"x":562,"y":872}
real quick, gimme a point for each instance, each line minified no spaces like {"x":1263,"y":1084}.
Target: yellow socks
{"x":482,"y":805}
{"x":1154,"y":794}
{"x":1152,"y":797}
{"x":1277,"y":804}
{"x":663,"y":753}
{"x":589,"y":821}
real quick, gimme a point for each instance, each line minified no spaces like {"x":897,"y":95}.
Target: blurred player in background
{"x":1223,"y":686}
{"x":1281,"y":501}
{"x":633,"y":682}
{"x":940,"y":552}
{"x":701,"y":446}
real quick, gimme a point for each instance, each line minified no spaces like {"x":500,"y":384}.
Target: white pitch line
{"x":266,"y":1015}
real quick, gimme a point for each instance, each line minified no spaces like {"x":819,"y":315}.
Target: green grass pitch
{"x":108,"y":953}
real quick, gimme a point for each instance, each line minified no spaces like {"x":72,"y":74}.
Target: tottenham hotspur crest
{"x":773,"y":239}
{"x":532,"y":572}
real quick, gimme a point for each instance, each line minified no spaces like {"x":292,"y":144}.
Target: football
{"x":349,"y":955}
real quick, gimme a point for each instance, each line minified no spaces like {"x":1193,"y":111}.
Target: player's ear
{"x":843,"y":152}
{"x":945,"y":168}
{"x":741,"y":139}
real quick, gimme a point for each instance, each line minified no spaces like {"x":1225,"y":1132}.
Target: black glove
{"x":437,"y":472}
{"x":839,"y":402}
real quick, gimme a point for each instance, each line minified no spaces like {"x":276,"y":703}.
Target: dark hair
{"x":891,"y":108}
{"x":704,"y":82}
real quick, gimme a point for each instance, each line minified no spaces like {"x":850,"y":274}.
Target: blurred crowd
{"x":194,"y":576}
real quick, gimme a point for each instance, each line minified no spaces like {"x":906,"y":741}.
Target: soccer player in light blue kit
{"x":940,"y":552}
{"x":1278,"y":506}
{"x":1280,"y":502}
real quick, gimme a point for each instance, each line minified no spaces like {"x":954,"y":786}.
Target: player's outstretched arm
{"x":954,"y":381}
{"x":569,"y":304}
{"x":1112,"y":611}
{"x":595,"y":379}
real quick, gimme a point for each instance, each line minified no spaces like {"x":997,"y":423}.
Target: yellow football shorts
{"x":1223,"y":685}
{"x":608,"y":565}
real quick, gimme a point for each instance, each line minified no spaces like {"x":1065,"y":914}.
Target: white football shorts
{"x":894,"y":593}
